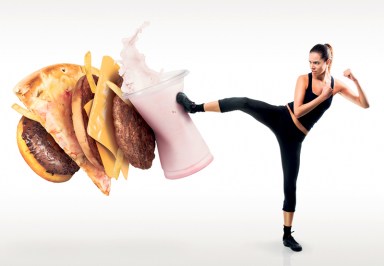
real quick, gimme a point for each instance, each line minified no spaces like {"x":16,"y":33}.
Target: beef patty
{"x":45,"y":149}
{"x":134,"y":136}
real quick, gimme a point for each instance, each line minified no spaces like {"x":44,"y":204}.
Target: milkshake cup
{"x":181,"y":148}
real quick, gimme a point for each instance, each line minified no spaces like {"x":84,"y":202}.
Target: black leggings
{"x":279,"y":120}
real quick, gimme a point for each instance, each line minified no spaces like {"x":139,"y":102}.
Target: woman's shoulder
{"x":304,"y":78}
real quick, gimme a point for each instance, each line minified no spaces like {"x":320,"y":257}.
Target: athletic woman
{"x":291,"y":123}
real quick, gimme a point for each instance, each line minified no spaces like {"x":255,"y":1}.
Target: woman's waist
{"x":296,"y":121}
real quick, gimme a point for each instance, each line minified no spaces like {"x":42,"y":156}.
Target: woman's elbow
{"x":364,"y":104}
{"x":298,"y":114}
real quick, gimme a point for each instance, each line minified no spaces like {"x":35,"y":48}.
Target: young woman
{"x":291,"y":123}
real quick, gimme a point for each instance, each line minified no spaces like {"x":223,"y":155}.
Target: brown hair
{"x":325,"y":51}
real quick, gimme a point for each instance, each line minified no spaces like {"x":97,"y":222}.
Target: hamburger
{"x":42,"y":153}
{"x":73,"y":120}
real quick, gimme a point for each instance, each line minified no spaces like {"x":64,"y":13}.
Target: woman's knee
{"x":234,"y":103}
{"x":289,"y":206}
{"x":243,"y":103}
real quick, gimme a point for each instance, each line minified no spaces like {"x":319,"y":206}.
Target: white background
{"x":230,"y":212}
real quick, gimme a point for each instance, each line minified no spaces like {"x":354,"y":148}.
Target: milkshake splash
{"x":135,"y":72}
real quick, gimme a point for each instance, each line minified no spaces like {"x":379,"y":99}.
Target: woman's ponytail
{"x":330,"y":55}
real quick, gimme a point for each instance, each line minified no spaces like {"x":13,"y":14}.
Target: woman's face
{"x":317,"y":64}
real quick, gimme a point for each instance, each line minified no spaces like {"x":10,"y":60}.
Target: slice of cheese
{"x":25,"y":112}
{"x":88,"y":107}
{"x":110,"y":162}
{"x":88,"y":71}
{"x":118,"y":163}
{"x":116,"y":90}
{"x":100,"y":124}
{"x":107,"y":158}
{"x":125,"y":168}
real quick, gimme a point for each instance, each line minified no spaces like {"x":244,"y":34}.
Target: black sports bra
{"x":308,"y":120}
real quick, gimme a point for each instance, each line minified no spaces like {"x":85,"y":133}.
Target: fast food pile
{"x":75,"y":117}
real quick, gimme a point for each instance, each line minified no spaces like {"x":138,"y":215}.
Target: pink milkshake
{"x":181,"y":148}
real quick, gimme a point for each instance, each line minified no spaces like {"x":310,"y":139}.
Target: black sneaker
{"x":188,"y":105}
{"x":291,"y":243}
